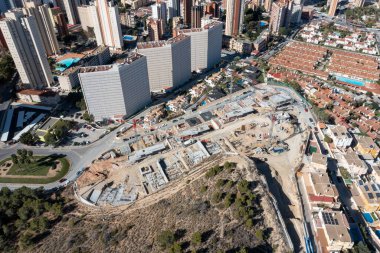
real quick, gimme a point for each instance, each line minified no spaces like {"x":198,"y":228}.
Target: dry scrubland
{"x":224,"y":210}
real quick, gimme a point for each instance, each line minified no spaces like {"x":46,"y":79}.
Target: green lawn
{"x":39,"y":168}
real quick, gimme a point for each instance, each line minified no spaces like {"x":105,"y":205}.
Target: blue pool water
{"x":128,"y":37}
{"x":368,"y":217}
{"x":349,"y":80}
{"x":263,"y":23}
{"x":66,"y":63}
{"x":377,"y":232}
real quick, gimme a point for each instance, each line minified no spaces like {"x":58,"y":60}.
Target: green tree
{"x":14,"y":159}
{"x":50,"y":138}
{"x":7,"y":67}
{"x":81,"y":104}
{"x":176,"y":248}
{"x":196,"y":239}
{"x":361,"y":248}
{"x":88,"y":117}
{"x":327,"y":139}
{"x":166,"y":239}
{"x":259,"y":234}
{"x":28,"y":138}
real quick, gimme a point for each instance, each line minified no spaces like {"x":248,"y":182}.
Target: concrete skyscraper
{"x":332,"y":8}
{"x":45,"y":26}
{"x":196,"y":16}
{"x":234,"y":17}
{"x":173,"y":8}
{"x":206,"y":45}
{"x":213,"y":9}
{"x":71,"y":8}
{"x":159,"y":11}
{"x":5,"y":5}
{"x":118,"y":90}
{"x":187,"y":5}
{"x":106,"y":20}
{"x":280,"y":15}
{"x":26,"y":47}
{"x":296,"y":11}
{"x":268,"y":5}
{"x":169,"y":62}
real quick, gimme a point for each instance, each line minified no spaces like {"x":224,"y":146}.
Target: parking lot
{"x":83,"y":134}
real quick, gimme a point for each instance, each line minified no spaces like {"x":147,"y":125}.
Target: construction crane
{"x":273,"y":120}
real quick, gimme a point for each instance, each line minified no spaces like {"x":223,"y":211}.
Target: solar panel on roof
{"x":360,"y":182}
{"x":366,"y":188}
{"x":378,"y":195}
{"x":328,"y":219}
{"x":374,"y":188}
{"x":370,"y":195}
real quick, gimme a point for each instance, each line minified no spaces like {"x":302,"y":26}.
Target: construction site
{"x":257,"y":122}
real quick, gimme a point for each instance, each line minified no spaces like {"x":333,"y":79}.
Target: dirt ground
{"x":185,"y":207}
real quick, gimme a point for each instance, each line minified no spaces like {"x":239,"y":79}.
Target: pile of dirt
{"x":224,"y":210}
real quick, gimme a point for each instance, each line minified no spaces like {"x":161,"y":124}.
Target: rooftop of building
{"x":206,"y":27}
{"x":318,"y":158}
{"x":366,"y":142}
{"x":338,"y":130}
{"x":161,"y":43}
{"x":336,"y":225}
{"x":123,"y":59}
{"x":353,"y":159}
{"x":49,"y":123}
{"x":46,"y":93}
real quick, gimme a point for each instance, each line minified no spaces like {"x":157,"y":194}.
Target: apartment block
{"x":280,"y":15}
{"x":234,"y":17}
{"x":196,"y":16}
{"x":169,"y":62}
{"x":69,"y":79}
{"x":206,"y":45}
{"x":26,"y":47}
{"x":333,"y":6}
{"x":71,"y":9}
{"x":116,"y":91}
{"x":45,"y":26}
{"x":106,"y":21}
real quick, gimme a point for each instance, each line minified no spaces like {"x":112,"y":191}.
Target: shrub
{"x":228,"y":200}
{"x":166,"y":239}
{"x":249,"y":223}
{"x":259,"y":234}
{"x":220,"y":183}
{"x":203,"y":189}
{"x":176,"y":248}
{"x":216,"y":197}
{"x":196,"y":238}
{"x":214,"y":171}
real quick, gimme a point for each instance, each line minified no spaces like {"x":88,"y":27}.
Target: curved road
{"x":79,"y":157}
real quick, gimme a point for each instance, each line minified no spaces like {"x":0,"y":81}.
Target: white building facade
{"x":26,"y":47}
{"x":206,"y":45}
{"x":116,"y":91}
{"x":106,"y":21}
{"x":169,"y":62}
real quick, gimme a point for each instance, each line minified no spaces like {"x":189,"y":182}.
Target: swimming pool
{"x":349,"y":80}
{"x":263,"y":23}
{"x":66,"y":63}
{"x":128,"y":37}
{"x":377,"y":232}
{"x":368,"y":217}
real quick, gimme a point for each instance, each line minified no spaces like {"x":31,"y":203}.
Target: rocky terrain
{"x":224,"y":209}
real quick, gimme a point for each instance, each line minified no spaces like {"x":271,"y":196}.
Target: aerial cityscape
{"x":221,"y":126}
